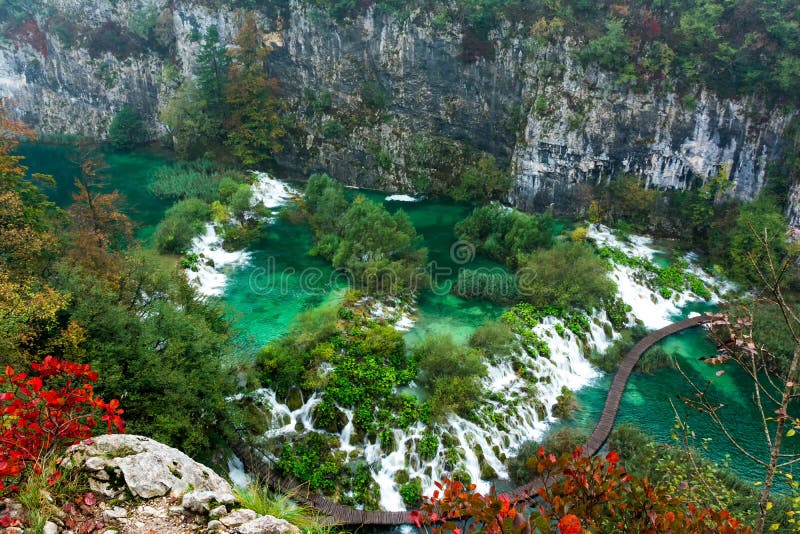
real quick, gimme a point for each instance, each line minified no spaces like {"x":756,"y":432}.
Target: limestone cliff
{"x":404,"y":106}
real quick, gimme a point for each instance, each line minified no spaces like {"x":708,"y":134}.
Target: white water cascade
{"x":521,"y":391}
{"x":647,"y":305}
{"x":210,"y":276}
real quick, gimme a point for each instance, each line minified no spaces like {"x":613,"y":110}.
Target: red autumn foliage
{"x":577,"y":494}
{"x":652,"y":27}
{"x":42,"y":413}
{"x":29,"y":33}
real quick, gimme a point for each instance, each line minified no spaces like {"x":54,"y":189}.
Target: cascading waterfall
{"x":648,"y":306}
{"x":210,"y":276}
{"x":521,"y":390}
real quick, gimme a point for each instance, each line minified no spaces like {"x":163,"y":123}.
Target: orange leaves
{"x":569,"y":524}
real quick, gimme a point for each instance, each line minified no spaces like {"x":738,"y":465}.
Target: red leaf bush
{"x":576,"y":495}
{"x":43,"y":413}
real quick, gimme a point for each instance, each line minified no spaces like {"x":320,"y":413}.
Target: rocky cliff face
{"x":590,"y":131}
{"x":404,"y":107}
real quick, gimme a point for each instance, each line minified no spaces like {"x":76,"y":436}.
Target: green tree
{"x":213,"y":66}
{"x":379,"y":250}
{"x":611,"y":50}
{"x":155,"y":345}
{"x":506,"y":235}
{"x":483,"y":181}
{"x":756,"y":221}
{"x":253,"y":123}
{"x":126,"y":130}
{"x":567,"y":276}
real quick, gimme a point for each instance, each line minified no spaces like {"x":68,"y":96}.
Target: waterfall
{"x":521,"y":389}
{"x":648,"y":306}
{"x":214,"y":262}
{"x":210,"y":277}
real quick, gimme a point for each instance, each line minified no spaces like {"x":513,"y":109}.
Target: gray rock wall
{"x":584,"y":130}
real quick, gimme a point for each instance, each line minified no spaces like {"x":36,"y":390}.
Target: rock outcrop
{"x":154,"y":488}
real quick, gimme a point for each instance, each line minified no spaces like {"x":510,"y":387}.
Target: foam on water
{"x":401,"y":198}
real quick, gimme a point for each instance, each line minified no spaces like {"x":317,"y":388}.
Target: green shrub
{"x":449,"y":373}
{"x":374,"y":96}
{"x":565,"y":405}
{"x":567,"y":276}
{"x":182,"y":222}
{"x":411,"y":492}
{"x":655,"y":358}
{"x":611,"y":358}
{"x":484,"y":180}
{"x":494,"y":338}
{"x":504,"y":234}
{"x":126,"y":130}
{"x":333,"y":129}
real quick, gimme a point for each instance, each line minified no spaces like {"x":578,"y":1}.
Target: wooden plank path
{"x":347,"y":515}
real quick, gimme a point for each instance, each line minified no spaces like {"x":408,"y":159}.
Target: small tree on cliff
{"x":213,"y":66}
{"x":253,"y":123}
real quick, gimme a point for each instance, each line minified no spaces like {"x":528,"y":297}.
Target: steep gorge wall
{"x":560,"y":125}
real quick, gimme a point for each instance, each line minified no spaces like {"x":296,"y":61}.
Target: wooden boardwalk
{"x":346,"y":515}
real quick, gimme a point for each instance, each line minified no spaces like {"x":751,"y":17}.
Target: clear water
{"x":266,"y":295}
{"x":128,"y":173}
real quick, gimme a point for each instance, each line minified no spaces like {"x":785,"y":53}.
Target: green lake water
{"x":282,"y":280}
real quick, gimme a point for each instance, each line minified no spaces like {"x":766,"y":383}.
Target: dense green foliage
{"x":484,"y":180}
{"x":213,"y":65}
{"x":368,"y":360}
{"x":253,"y":122}
{"x":376,"y":250}
{"x":449,"y":373}
{"x":566,"y":276}
{"x":506,"y":235}
{"x":609,"y":360}
{"x":357,"y":364}
{"x":493,"y":338}
{"x":230,"y":108}
{"x":130,"y":314}
{"x":156,"y":345}
{"x":181,"y":224}
{"x":126,"y":130}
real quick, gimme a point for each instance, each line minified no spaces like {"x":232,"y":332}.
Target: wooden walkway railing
{"x":346,"y":515}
